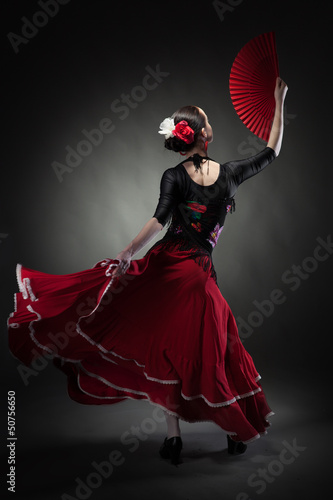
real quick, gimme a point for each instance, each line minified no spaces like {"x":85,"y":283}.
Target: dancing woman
{"x":158,"y":328}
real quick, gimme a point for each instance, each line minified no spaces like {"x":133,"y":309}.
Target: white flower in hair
{"x":167,"y":126}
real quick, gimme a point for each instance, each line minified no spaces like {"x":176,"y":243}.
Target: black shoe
{"x":171,"y":448}
{"x":235,"y":447}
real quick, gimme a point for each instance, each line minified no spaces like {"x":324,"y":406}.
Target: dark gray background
{"x":63,"y":81}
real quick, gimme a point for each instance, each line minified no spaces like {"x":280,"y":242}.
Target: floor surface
{"x":68,"y":451}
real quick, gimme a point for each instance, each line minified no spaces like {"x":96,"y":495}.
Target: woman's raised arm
{"x":275,"y":137}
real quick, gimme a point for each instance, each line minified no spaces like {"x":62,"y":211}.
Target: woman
{"x":158,"y":328}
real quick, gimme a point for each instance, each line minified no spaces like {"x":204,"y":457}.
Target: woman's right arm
{"x":276,"y":134}
{"x":147,"y":233}
{"x":167,"y":201}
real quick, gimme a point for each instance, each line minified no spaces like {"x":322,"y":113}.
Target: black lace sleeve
{"x":241,"y":170}
{"x":169,"y":195}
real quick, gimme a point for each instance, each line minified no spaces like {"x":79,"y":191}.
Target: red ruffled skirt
{"x":162,"y":332}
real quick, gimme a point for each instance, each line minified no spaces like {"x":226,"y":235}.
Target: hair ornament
{"x":167,"y":127}
{"x":182,"y":130}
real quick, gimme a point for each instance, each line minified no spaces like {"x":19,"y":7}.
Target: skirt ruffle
{"x":162,"y":332}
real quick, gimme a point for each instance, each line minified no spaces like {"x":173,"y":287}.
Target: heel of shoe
{"x":175,"y":448}
{"x":235,"y":447}
{"x":164,"y":450}
{"x":171,"y":448}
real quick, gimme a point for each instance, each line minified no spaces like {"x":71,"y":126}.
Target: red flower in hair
{"x":184,"y":132}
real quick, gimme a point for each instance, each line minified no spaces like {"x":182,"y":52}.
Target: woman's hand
{"x":125,"y":260}
{"x":149,"y":230}
{"x":280,"y":90}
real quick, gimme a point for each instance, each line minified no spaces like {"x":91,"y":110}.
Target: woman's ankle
{"x":172,"y":425}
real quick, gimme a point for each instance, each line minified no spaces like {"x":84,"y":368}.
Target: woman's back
{"x":197,"y":202}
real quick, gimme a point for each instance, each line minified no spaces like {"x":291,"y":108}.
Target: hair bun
{"x":176,"y":145}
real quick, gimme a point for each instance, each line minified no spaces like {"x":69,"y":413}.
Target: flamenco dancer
{"x":158,"y":328}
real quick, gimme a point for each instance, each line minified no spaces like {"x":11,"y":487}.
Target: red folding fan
{"x":252,"y":83}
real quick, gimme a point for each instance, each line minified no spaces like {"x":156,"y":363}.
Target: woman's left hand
{"x":280,"y":91}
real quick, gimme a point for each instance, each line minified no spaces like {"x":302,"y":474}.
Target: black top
{"x":198,"y":212}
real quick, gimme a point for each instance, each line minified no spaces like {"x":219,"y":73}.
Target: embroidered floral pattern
{"x":214,"y":235}
{"x":176,"y":229}
{"x":196,"y":226}
{"x":196,"y":210}
{"x":193,"y":217}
